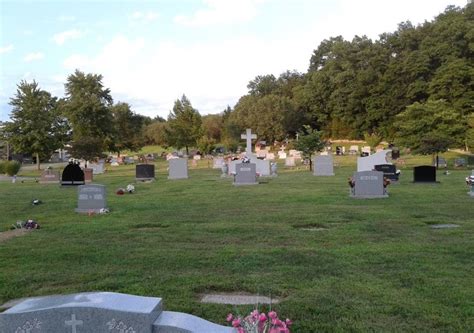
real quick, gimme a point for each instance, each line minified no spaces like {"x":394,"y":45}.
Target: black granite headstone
{"x":424,"y":174}
{"x":145,"y":172}
{"x":389,"y":171}
{"x":72,"y":175}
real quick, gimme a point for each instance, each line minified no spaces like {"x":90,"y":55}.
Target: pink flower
{"x":236,"y":322}
{"x":288,"y":322}
{"x":272,"y":315}
{"x":262,"y":317}
{"x":277,"y":322}
{"x":240,"y":330}
{"x":229,"y":317}
{"x":254,"y":314}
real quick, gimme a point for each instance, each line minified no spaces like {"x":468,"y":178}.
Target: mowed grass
{"x":376,"y":265}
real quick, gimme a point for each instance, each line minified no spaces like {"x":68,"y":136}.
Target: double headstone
{"x":245,"y":174}
{"x":91,"y":198}
{"x":72,"y":175}
{"x":323,"y":165}
{"x":424,"y":174}
{"x":368,"y":184}
{"x":100,"y":312}
{"x":178,"y":168}
{"x":144,"y":172}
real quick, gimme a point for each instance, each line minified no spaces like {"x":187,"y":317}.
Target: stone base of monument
{"x":101,"y":312}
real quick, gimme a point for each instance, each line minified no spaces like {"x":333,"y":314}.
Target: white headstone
{"x":248,"y":136}
{"x":368,"y":163}
{"x":178,"y":168}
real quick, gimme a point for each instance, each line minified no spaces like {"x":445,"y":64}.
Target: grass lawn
{"x":376,"y":267}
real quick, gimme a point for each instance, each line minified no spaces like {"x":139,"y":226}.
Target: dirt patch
{"x":6,"y":235}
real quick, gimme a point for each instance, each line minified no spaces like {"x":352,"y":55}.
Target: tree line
{"x":413,"y":86}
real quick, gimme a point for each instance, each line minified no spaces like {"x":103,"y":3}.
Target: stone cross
{"x":249,"y":136}
{"x":73,"y":323}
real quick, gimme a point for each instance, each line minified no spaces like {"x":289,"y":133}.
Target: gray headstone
{"x":100,"y":312}
{"x":217,"y":163}
{"x":178,"y":168}
{"x":245,"y":174}
{"x":323,"y":166}
{"x":368,"y":184}
{"x":91,"y":198}
{"x":97,"y":168}
{"x":81,"y":313}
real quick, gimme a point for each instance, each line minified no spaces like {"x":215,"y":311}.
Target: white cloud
{"x":145,"y":17}
{"x":33,"y":56}
{"x":62,"y":37}
{"x":6,"y":49}
{"x":66,"y":18}
{"x":221,"y":12}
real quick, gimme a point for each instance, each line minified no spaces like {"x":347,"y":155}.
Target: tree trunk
{"x":310,"y":163}
{"x":187,"y":151}
{"x":437,"y":161}
{"x":37,"y":161}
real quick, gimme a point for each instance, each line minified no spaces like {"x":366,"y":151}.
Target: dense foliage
{"x":388,"y":89}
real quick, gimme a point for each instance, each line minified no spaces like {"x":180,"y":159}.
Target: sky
{"x":152,"y":52}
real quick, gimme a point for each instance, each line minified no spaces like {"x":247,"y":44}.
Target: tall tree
{"x":430,"y":128}
{"x":128,"y":129}
{"x":309,"y":141}
{"x":184,"y":125}
{"x":36,"y":126}
{"x":88,"y":110}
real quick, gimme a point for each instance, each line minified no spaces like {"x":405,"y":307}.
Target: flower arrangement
{"x":257,"y":322}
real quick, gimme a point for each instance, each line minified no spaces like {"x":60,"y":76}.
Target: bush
{"x":12,"y":167}
{"x":2,"y":167}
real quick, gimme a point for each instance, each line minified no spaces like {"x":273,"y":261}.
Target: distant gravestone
{"x":290,"y":162}
{"x":50,"y":177}
{"x":389,"y":171}
{"x":91,"y":198}
{"x":144,"y":172}
{"x":460,"y":162}
{"x":424,"y":174}
{"x":88,"y":175}
{"x":442,"y":163}
{"x":100,"y":312}
{"x":368,"y":184}
{"x":97,"y":168}
{"x":281,"y":155}
{"x":323,"y":165}
{"x":353,"y":150}
{"x":72,"y":175}
{"x":178,"y":168}
{"x":245,"y":174}
{"x":339,"y":151}
{"x":218,"y":162}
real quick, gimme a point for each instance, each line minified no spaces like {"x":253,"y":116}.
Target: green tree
{"x":309,"y":141}
{"x":88,"y":110}
{"x":36,"y":126}
{"x":430,"y":128}
{"x":128,"y":129}
{"x":470,"y":133}
{"x":184,"y":125}
{"x":155,"y":133}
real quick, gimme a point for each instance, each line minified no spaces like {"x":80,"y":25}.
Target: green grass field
{"x":376,"y":267}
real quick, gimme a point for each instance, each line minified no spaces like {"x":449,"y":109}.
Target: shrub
{"x":12,"y":167}
{"x":2,"y":167}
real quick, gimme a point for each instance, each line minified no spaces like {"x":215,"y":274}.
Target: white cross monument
{"x":249,"y":136}
{"x":73,"y":323}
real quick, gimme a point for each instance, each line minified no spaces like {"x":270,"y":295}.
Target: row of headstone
{"x":177,"y":169}
{"x":101,"y":312}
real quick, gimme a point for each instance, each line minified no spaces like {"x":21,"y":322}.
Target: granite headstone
{"x":368,"y":184}
{"x":424,"y":174}
{"x":91,"y":198}
{"x":245,"y":174}
{"x":144,"y":172}
{"x":178,"y":168}
{"x":323,"y":165}
{"x":72,"y":175}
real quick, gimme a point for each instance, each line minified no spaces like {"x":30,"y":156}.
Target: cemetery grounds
{"x":336,"y":264}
